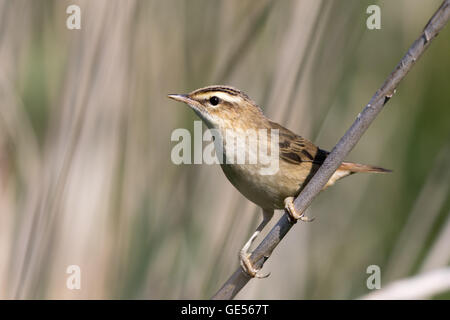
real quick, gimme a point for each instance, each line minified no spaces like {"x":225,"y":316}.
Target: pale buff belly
{"x":269,"y":191}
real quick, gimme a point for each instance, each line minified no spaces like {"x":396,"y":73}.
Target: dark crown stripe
{"x":230,"y":90}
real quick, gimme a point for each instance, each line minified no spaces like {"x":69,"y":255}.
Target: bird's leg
{"x":293,"y":214}
{"x":244,"y":255}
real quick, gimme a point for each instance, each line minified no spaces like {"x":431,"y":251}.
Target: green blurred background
{"x":86,"y":176}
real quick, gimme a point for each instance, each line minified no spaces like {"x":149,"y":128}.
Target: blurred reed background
{"x":86,"y":176}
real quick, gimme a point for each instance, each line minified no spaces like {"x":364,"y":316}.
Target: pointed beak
{"x":195,"y":105}
{"x":181,"y":97}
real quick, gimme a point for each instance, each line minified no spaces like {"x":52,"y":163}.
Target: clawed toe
{"x":244,"y":259}
{"x":248,"y":267}
{"x":244,"y":255}
{"x":293,"y":214}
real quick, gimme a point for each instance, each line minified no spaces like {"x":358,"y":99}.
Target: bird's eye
{"x":214,"y":100}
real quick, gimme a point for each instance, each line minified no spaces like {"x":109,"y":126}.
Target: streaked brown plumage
{"x":226,"y":108}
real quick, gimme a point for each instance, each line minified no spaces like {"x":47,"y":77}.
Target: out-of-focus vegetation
{"x":86,"y":176}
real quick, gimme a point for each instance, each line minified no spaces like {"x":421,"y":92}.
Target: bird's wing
{"x":296,"y":149}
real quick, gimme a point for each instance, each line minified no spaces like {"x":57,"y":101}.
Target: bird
{"x":227,"y":109}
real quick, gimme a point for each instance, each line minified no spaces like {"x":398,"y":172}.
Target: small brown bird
{"x":225,"y":109}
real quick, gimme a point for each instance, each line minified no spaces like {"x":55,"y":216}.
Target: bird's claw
{"x":293,"y":214}
{"x":244,"y":259}
{"x":248,"y":267}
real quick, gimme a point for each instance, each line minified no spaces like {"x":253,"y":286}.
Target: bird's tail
{"x":348,"y":168}
{"x":357,"y":167}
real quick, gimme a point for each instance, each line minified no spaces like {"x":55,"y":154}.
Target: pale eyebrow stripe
{"x":222,"y":95}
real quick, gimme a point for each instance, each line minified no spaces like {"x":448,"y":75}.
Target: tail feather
{"x":349,"y":168}
{"x":357,"y":167}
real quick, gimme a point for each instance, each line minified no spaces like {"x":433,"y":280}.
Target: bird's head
{"x":222,"y":107}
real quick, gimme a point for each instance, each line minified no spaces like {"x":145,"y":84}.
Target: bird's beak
{"x":182,"y":98}
{"x":195,"y":105}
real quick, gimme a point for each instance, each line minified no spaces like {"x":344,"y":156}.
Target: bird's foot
{"x":293,"y":214}
{"x":244,"y":259}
